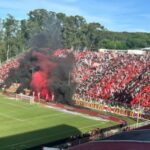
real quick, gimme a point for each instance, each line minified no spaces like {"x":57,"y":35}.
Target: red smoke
{"x":40,"y":78}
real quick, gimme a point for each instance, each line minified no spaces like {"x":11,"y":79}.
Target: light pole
{"x":139,"y":109}
{"x":138,"y":115}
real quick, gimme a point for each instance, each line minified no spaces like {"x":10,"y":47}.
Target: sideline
{"x":76,"y":113}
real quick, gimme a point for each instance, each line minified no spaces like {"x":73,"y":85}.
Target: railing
{"x":137,"y":125}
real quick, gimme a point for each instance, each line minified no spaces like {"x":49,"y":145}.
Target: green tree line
{"x":75,"y":32}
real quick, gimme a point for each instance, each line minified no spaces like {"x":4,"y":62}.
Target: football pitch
{"x":24,"y":125}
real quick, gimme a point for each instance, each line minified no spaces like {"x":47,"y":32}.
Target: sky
{"x":115,"y":15}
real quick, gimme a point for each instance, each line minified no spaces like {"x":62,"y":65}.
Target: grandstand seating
{"x":5,"y":68}
{"x":116,"y":77}
{"x":107,"y":76}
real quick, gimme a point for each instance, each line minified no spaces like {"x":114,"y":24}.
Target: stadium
{"x":92,"y":96}
{"x":74,"y":75}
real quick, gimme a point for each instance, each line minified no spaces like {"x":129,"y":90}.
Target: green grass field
{"x":24,"y":125}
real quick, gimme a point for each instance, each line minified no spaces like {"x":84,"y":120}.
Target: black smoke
{"x":58,"y":69}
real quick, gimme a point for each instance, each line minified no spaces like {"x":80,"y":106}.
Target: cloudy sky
{"x":115,"y":15}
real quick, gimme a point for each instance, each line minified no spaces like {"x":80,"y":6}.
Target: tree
{"x":45,"y":28}
{"x":10,"y":26}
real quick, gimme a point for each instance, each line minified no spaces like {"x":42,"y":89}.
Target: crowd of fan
{"x":5,"y":68}
{"x":115,"y":78}
{"x":106,"y":76}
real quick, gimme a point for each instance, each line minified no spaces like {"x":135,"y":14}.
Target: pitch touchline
{"x":49,"y":115}
{"x":77,"y":113}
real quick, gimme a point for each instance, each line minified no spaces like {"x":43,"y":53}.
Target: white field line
{"x":86,"y":116}
{"x":66,"y":111}
{"x":36,"y":117}
{"x":50,"y":115}
{"x":30,"y":120}
{"x":11,"y":117}
{"x":19,"y":106}
{"x":77,"y":113}
{"x":45,"y":116}
{"x":50,"y":136}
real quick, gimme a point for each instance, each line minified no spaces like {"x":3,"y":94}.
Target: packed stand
{"x":5,"y":67}
{"x":116,"y":78}
{"x":106,"y":77}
